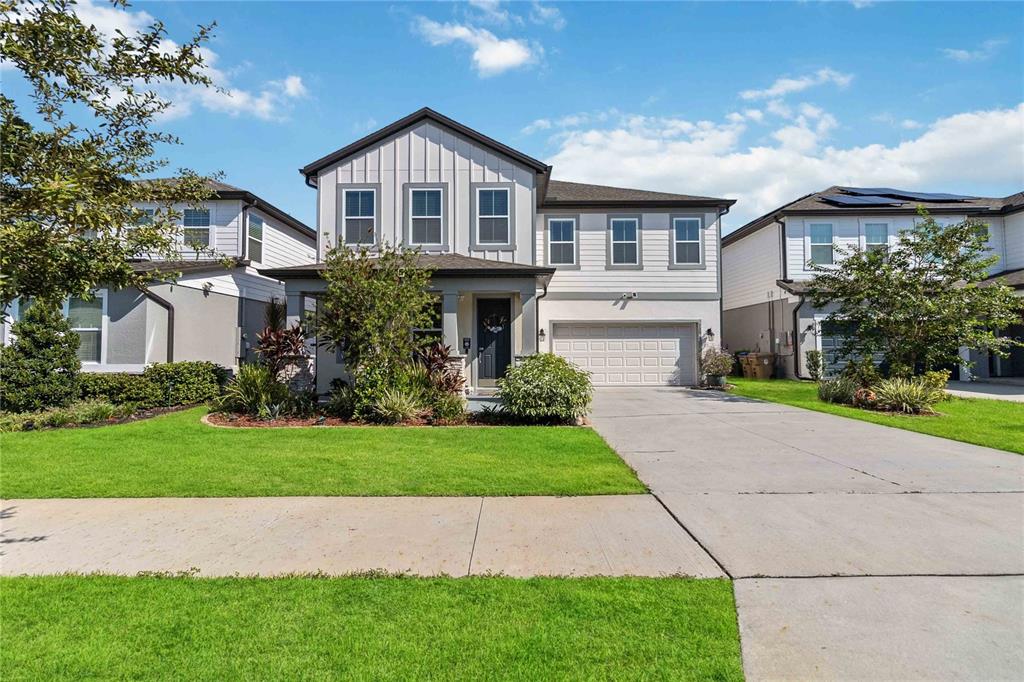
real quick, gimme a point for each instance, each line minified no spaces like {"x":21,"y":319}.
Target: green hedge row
{"x":160,"y":385}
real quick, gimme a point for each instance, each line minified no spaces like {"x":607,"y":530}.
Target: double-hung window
{"x":686,"y":241}
{"x":196,"y":224}
{"x":433,"y":333}
{"x":360,"y":216}
{"x":625,"y":241}
{"x":255,"y":245}
{"x":821,"y":244}
{"x":425,"y":217}
{"x":876,"y":236}
{"x":145,"y":217}
{"x":492,"y":221}
{"x":86,"y":319}
{"x":562,"y":241}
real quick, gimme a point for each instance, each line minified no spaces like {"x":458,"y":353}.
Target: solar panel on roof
{"x":856,"y":200}
{"x":903,"y":194}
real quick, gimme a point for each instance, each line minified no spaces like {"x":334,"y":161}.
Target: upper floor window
{"x":821,"y":243}
{"x":625,"y":241}
{"x":492,"y":216}
{"x":196,"y":222}
{"x":255,"y":245}
{"x":686,"y":241}
{"x":360,"y":216}
{"x":562,"y":241}
{"x":146,"y":216}
{"x":86,"y":319}
{"x":876,"y":236}
{"x":425,"y":214}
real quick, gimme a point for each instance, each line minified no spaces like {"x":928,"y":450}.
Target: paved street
{"x":929,"y":531}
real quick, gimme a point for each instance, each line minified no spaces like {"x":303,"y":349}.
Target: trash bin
{"x":747,"y":363}
{"x":763,"y":366}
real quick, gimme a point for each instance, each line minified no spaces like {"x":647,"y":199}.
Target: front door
{"x":494,"y":338}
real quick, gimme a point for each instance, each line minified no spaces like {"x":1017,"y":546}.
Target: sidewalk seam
{"x":476,"y":533}
{"x":692,"y":536}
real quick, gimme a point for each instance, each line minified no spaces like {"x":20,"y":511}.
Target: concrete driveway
{"x":859,"y":551}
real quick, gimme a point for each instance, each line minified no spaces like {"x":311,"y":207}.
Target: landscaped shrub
{"x":82,"y":412}
{"x":372,"y":381}
{"x":715,"y":363}
{"x":815,"y":364}
{"x":121,"y":388}
{"x":839,"y":390}
{"x":396,"y":405}
{"x":546,"y":387}
{"x":444,"y":376}
{"x":254,"y":391}
{"x":301,"y":403}
{"x":187,"y":383}
{"x":277,"y":348}
{"x":937,"y":379}
{"x":912,"y":396}
{"x":448,"y":408}
{"x":862,"y":372}
{"x":39,"y":369}
{"x":865,"y":398}
{"x":341,"y":401}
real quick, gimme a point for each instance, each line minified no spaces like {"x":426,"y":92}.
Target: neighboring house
{"x":214,"y":309}
{"x":765,"y":270}
{"x":625,"y":283}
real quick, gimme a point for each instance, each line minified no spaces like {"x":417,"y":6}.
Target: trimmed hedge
{"x":160,"y":385}
{"x":545,"y":388}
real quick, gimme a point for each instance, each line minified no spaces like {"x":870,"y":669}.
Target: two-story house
{"x":214,"y":310}
{"x":625,"y":283}
{"x":765,"y":266}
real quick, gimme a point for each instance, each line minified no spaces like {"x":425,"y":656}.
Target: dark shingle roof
{"x":1011,"y":278}
{"x":166,"y":267}
{"x":443,"y":265}
{"x":562,"y":193}
{"x":816,"y":204}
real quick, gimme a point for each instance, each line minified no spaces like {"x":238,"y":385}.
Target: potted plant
{"x":715,"y":365}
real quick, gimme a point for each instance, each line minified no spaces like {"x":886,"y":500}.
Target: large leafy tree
{"x":372,"y":303}
{"x":72,"y":151}
{"x":919,"y":302}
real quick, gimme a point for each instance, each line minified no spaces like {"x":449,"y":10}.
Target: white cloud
{"x":905,"y":124}
{"x":536,"y":126}
{"x":987,"y":50}
{"x":963,"y":152}
{"x":547,"y":15}
{"x":786,"y":85}
{"x":910,"y":124}
{"x":271,"y":101}
{"x":491,"y":55}
{"x":492,"y":12}
{"x":754,"y":114}
{"x":862,"y":4}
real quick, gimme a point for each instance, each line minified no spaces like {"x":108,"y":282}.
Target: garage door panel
{"x":630,"y":354}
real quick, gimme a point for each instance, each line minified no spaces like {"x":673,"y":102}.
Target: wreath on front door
{"x":495,"y":323}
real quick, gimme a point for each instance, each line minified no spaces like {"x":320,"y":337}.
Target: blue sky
{"x":757,"y":101}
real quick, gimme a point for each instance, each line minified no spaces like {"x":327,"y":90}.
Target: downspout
{"x":796,"y":338}
{"x":721,"y":293}
{"x":169,"y":307}
{"x":544,"y":283}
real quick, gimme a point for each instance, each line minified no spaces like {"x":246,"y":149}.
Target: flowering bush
{"x":715,"y":363}
{"x":546,"y":388}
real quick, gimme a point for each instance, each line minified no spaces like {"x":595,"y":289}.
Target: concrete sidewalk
{"x":519,"y":536}
{"x":992,"y":391}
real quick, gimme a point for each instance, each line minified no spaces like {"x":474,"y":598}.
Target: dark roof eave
{"x":387,"y":131}
{"x":641,"y":203}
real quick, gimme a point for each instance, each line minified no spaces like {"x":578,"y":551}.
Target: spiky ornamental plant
{"x":68,"y":168}
{"x":919,"y":302}
{"x":39,"y":369}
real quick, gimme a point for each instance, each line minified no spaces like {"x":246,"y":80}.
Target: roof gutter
{"x":169,"y":307}
{"x":796,"y":338}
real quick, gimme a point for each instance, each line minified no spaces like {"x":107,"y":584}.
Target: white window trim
{"x":612,"y":242}
{"x":212,"y":243}
{"x":104,"y":324}
{"x":345,"y":217}
{"x":864,"y":233}
{"x":507,"y":216}
{"x":439,"y":216}
{"x":573,"y":241}
{"x":699,"y":242}
{"x":809,"y":243}
{"x":249,"y":238}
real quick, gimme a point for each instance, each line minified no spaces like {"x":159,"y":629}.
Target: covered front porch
{"x":486,"y":312}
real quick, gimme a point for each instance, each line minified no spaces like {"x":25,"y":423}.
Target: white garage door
{"x":630,"y":355}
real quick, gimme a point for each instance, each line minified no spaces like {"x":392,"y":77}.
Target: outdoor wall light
{"x":710,"y":334}
{"x":541,"y":335}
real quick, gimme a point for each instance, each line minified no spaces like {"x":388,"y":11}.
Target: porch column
{"x":295,"y":308}
{"x":529,"y":322}
{"x":450,"y":322}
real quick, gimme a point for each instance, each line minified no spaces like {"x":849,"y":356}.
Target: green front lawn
{"x":368,"y":628}
{"x":993,"y":423}
{"x":176,"y":455}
